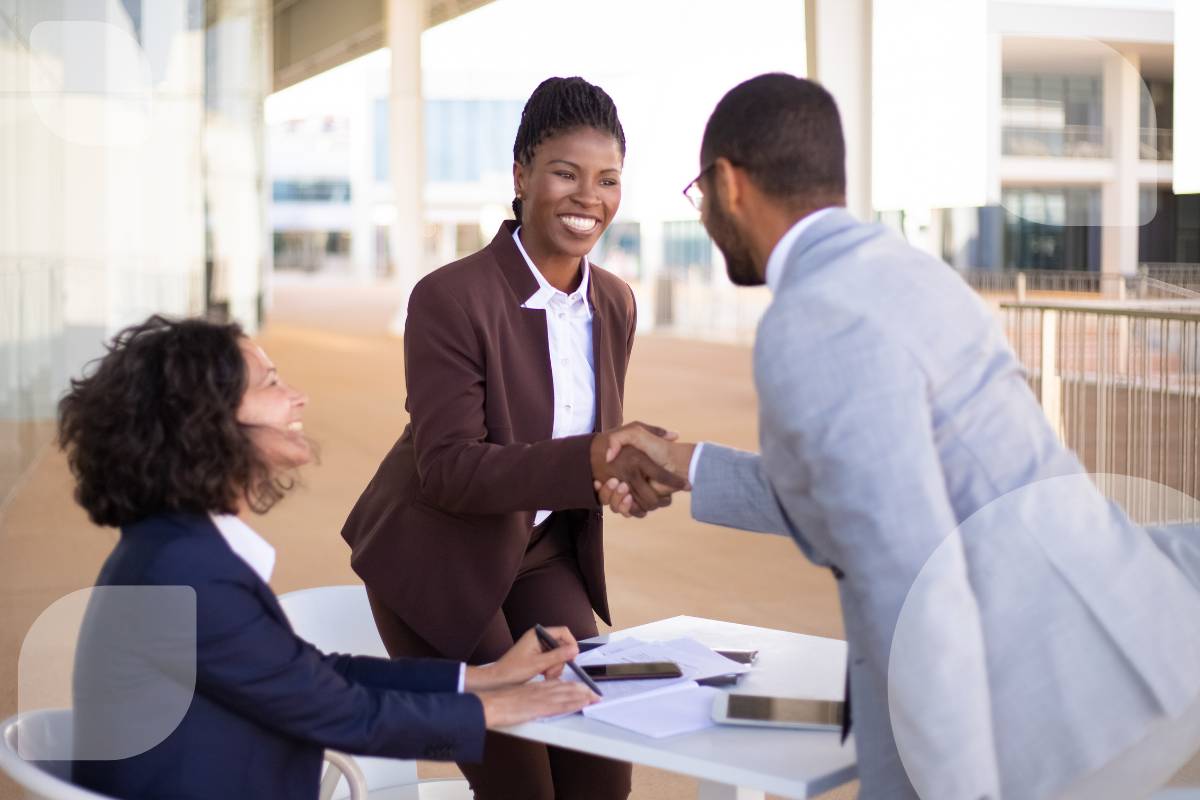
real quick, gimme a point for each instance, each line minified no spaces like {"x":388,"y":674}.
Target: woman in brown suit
{"x":482,"y":520}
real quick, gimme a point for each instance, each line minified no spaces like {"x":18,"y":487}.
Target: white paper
{"x":658,"y":707}
{"x":682,"y":708}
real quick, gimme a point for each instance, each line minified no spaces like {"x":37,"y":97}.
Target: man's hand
{"x":663,"y":450}
{"x":649,"y":481}
{"x":519,"y":704}
{"x":524,"y":660}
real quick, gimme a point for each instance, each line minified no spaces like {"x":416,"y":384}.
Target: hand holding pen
{"x":550,"y":643}
{"x":507,"y":696}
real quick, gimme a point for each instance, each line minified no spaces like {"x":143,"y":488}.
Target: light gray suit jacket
{"x":1009,"y":629}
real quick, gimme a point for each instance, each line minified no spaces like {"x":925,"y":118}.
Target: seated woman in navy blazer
{"x":174,"y":436}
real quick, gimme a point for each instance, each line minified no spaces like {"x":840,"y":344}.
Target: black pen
{"x":549,"y":643}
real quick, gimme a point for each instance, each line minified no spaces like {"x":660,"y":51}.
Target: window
{"x":687,"y":250}
{"x":1053,"y":115}
{"x":466,"y":140}
{"x":311,"y":251}
{"x":620,"y":250}
{"x":1052,"y":228}
{"x":318,"y":190}
{"x":1173,"y":234}
{"x":1156,"y":116}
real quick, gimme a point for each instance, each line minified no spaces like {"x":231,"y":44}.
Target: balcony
{"x":1068,"y":141}
{"x":1157,"y":144}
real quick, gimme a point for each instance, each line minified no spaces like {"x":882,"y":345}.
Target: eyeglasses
{"x":693,"y":192}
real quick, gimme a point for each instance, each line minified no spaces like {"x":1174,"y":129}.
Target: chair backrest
{"x":337,"y":619}
{"x":46,"y":730}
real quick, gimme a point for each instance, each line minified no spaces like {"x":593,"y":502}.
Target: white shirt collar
{"x":249,"y":546}
{"x":779,"y":254}
{"x":541,"y":298}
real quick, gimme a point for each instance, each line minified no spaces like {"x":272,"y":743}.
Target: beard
{"x":739,"y":264}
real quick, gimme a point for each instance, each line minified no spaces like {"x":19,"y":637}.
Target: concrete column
{"x":838,"y":39}
{"x":237,"y":41}
{"x":362,"y":180}
{"x":406,"y":150}
{"x":995,"y":113}
{"x":1119,"y":197}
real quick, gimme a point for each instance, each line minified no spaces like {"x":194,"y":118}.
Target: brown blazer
{"x":441,"y":529}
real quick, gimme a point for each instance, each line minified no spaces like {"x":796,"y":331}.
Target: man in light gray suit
{"x":1010,"y":632}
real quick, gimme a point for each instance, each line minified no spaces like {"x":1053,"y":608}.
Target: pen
{"x":549,"y":643}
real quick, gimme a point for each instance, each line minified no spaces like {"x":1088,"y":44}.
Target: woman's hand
{"x":636,"y":457}
{"x":524,"y":660}
{"x":662,"y":447}
{"x":518,"y":704}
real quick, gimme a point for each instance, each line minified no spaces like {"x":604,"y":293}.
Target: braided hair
{"x":559,"y":105}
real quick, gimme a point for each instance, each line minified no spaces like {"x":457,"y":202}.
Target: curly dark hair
{"x":559,"y":105}
{"x":152,"y":426}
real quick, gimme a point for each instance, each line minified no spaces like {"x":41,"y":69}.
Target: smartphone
{"x":719,"y":680}
{"x":778,"y":712}
{"x":634,"y":671}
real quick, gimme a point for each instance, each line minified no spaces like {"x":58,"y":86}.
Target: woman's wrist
{"x":481,"y":679}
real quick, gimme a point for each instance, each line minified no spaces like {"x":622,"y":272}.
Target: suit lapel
{"x":533,"y":326}
{"x":600,"y":367}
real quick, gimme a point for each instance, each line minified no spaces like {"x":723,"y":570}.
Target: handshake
{"x":636,"y":468}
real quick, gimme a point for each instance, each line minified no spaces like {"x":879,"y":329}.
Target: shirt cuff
{"x":462,"y":678}
{"x":695,"y":461}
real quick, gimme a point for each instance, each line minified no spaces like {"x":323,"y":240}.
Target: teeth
{"x":295,"y":426}
{"x":581,"y":224}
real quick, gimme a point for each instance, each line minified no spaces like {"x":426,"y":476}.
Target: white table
{"x":732,"y":761}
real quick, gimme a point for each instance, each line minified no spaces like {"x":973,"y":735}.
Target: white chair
{"x":49,"y":730}
{"x":337,"y":619}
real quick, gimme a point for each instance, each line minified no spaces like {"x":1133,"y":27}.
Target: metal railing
{"x":1157,"y":144}
{"x":1069,"y":141}
{"x":1182,"y":274}
{"x":1144,"y":286}
{"x":1120,"y":384}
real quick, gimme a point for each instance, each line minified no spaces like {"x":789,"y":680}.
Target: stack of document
{"x":661,"y":706}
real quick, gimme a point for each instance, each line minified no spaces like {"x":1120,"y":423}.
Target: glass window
{"x":326,"y":190}
{"x":1052,"y":228}
{"x":1052,"y":115}
{"x":620,"y":250}
{"x":468,"y":139}
{"x":687,"y":250}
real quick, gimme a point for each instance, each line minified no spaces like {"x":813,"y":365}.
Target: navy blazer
{"x":266,"y":703}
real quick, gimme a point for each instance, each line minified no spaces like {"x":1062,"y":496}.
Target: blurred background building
{"x":191,"y":156}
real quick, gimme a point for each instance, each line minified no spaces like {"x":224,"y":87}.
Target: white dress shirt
{"x":243,"y":540}
{"x":259,"y":555}
{"x":572,"y":363}
{"x":775,"y":266}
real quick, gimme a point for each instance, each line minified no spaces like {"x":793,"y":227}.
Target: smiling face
{"x":570,"y":191}
{"x":272,"y":412}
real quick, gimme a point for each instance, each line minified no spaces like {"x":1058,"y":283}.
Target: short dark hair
{"x":786,"y":133}
{"x":152,"y":426}
{"x":559,"y":105}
